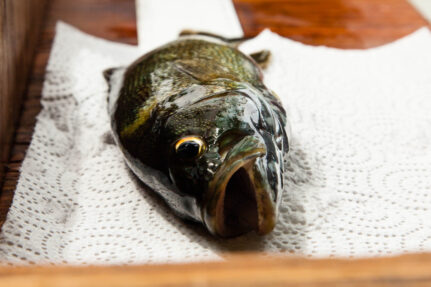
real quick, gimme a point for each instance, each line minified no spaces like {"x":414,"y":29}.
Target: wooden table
{"x":335,"y":23}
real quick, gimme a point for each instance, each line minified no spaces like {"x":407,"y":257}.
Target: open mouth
{"x":238,"y":199}
{"x":239,"y":211}
{"x":243,"y":204}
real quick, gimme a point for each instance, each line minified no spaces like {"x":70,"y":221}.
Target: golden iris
{"x":189,"y":147}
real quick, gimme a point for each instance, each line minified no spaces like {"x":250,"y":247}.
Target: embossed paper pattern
{"x":358,"y":177}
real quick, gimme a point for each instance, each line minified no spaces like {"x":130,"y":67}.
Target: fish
{"x":197,"y":125}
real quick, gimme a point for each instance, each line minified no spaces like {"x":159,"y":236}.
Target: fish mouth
{"x":239,"y":198}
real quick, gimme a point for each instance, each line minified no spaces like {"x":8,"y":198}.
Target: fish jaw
{"x":239,"y":199}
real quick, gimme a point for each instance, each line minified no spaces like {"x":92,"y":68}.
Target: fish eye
{"x":189,"y":147}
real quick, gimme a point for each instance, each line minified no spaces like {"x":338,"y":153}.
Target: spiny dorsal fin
{"x":203,"y":73}
{"x":234,"y":42}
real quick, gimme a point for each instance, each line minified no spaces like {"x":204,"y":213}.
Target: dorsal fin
{"x":234,"y":42}
{"x":203,"y":73}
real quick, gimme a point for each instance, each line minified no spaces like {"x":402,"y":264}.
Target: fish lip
{"x":213,"y":208}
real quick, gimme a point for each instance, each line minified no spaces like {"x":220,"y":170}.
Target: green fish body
{"x":197,"y":125}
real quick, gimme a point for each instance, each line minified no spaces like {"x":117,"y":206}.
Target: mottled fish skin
{"x":211,"y":93}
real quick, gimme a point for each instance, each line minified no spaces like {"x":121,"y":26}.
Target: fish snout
{"x":238,"y":199}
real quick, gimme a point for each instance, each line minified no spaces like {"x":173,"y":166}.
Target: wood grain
{"x":110,"y":19}
{"x":335,"y":23}
{"x":240,"y":270}
{"x":20,"y":23}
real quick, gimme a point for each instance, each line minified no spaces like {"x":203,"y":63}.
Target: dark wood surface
{"x":335,"y":23}
{"x":110,"y":19}
{"x":20,"y":24}
{"x":242,"y":270}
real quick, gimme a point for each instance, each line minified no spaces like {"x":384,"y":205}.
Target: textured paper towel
{"x":358,"y":180}
{"x":161,"y":21}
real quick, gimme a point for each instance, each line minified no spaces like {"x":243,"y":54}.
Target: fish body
{"x":196,"y":124}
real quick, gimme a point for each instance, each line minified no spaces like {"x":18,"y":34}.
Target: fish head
{"x":222,"y":151}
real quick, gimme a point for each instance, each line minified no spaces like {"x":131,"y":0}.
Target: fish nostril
{"x":240,"y":214}
{"x":228,"y":139}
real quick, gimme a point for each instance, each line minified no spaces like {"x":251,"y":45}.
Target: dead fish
{"x":197,"y":125}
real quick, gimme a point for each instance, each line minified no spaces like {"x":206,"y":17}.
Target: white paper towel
{"x":160,"y":21}
{"x":358,"y":181}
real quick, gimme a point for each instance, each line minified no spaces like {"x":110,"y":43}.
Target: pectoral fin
{"x":107,"y":73}
{"x":113,"y":77}
{"x":262,"y":58}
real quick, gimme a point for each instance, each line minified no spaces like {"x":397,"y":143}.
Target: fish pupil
{"x":189,"y":149}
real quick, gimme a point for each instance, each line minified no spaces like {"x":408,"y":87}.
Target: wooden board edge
{"x":236,"y":270}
